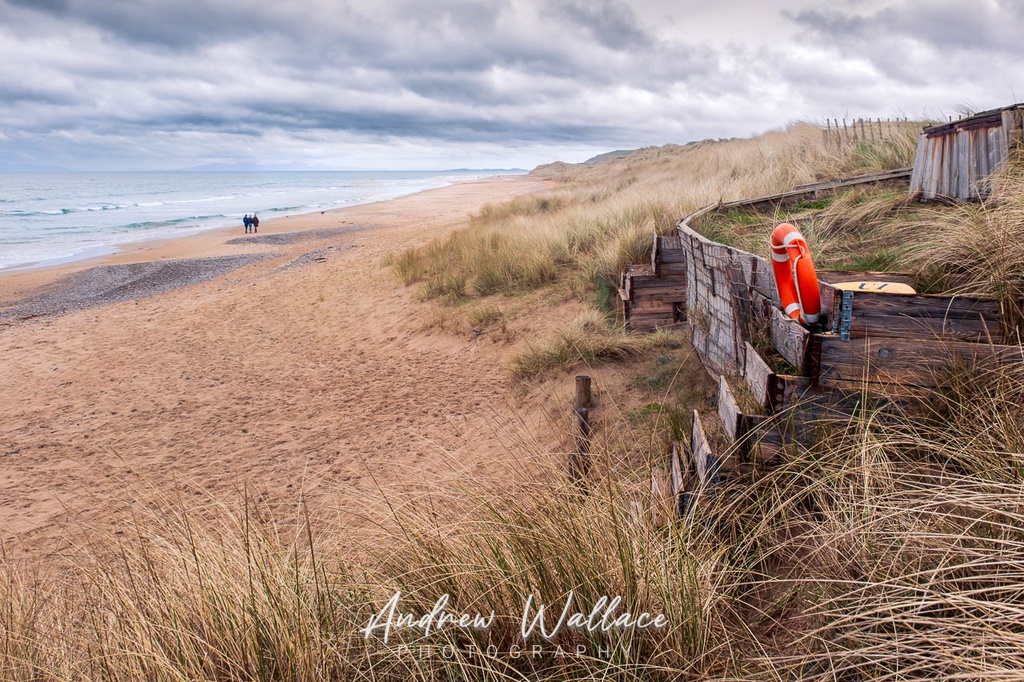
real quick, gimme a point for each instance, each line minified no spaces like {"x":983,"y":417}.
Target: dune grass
{"x":587,"y":340}
{"x":893,"y":549}
{"x":598,"y":219}
{"x":978,"y":248}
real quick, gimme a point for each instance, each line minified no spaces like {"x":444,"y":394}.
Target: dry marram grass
{"x":892,"y":549}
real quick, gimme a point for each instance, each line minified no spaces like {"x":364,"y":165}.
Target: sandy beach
{"x":289,"y":364}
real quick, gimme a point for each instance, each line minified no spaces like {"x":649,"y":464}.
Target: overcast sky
{"x":433,"y":84}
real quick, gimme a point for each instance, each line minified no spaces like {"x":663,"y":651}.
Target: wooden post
{"x":579,"y":460}
{"x":863,"y":135}
{"x":582,"y":432}
{"x":846,"y":132}
{"x":583,"y":397}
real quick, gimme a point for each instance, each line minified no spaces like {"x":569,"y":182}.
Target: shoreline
{"x":22,"y":281}
{"x":89,"y":215}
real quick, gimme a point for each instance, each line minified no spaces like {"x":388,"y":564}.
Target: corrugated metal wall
{"x":953,"y":160}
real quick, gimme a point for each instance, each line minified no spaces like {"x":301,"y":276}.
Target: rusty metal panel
{"x":963,"y":183}
{"x":933,"y":164}
{"x":975,"y":161}
{"x":949,"y":159}
{"x":917,"y":176}
{"x":997,"y":150}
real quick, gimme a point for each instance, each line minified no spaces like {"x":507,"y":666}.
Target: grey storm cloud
{"x":909,"y":41}
{"x":192,"y":79}
{"x":611,"y":24}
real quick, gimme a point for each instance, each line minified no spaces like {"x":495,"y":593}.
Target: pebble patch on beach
{"x":117,"y":283}
{"x":284,"y":238}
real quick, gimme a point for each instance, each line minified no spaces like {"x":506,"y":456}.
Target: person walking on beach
{"x":255,"y":222}
{"x":247,"y":221}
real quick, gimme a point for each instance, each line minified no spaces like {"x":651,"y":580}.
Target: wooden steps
{"x":653,"y":296}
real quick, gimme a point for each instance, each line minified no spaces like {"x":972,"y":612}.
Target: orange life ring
{"x":795,"y":277}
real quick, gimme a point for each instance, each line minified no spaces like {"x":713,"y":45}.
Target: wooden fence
{"x":894,"y":345}
{"x":838,"y":133}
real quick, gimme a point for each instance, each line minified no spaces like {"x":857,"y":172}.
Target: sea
{"x":55,"y":218}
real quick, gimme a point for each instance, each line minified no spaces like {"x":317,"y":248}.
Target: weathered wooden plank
{"x":645,"y":304}
{"x":705,"y":461}
{"x":651,"y":303}
{"x":797,"y":390}
{"x":760,"y":377}
{"x":662,"y":503}
{"x":831,"y":301}
{"x":916,"y":315}
{"x":925,"y":305}
{"x":711,"y":355}
{"x":675,"y":470}
{"x":907,"y":326}
{"x":659,"y":301}
{"x":913,"y":362}
{"x":680,"y":475}
{"x":790,"y":340}
{"x":764,"y":280}
{"x":728,"y":410}
{"x":649,"y":323}
{"x":660,"y":288}
{"x":674,"y":268}
{"x":755,"y":435}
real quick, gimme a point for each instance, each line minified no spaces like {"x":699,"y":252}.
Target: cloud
{"x":610,"y":23}
{"x":915,"y":42}
{"x":187,"y":81}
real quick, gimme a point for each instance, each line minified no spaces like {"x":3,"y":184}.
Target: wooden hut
{"x":953,"y":159}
